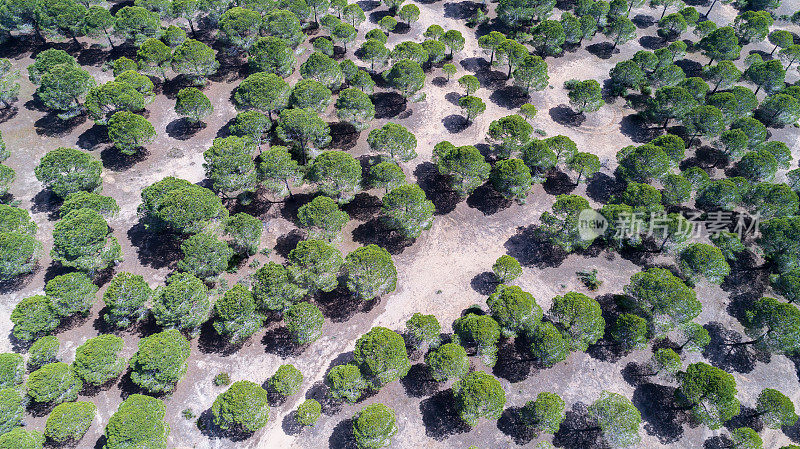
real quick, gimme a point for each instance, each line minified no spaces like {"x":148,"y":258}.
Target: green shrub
{"x":34,"y":316}
{"x":54,"y":383}
{"x":243,"y":407}
{"x":138,"y":423}
{"x":222,"y":379}
{"x":374,"y":426}
{"x":20,"y":438}
{"x":160,"y":361}
{"x":308,"y":412}
{"x":12,"y":409}
{"x":12,"y":367}
{"x":286,"y":381}
{"x":98,"y":360}
{"x":42,"y":352}
{"x":68,"y":422}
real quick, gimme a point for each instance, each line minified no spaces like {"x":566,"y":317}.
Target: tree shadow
{"x":721,"y":354}
{"x":436,"y":188}
{"x":344,"y":136}
{"x":8,"y":113}
{"x":287,"y":242}
{"x":511,"y":424}
{"x":577,"y":430}
{"x":183,"y":128}
{"x":652,"y":42}
{"x":603,"y":50}
{"x":455,"y":123}
{"x":460,"y":10}
{"x":52,"y":126}
{"x":127,"y":387}
{"x":487,"y":200}
{"x":690,"y":68}
{"x":532,"y":250}
{"x":45,"y":201}
{"x":279,"y":341}
{"x":602,"y":187}
{"x":93,"y":137}
{"x":95,"y":56}
{"x":510,"y":97}
{"x":636,"y":374}
{"x":718,"y":442}
{"x":205,"y":423}
{"x":792,"y":432}
{"x":171,"y":87}
{"x":388,"y":104}
{"x":747,"y":417}
{"x":339,"y":305}
{"x":488,"y":78}
{"x":363,"y":207}
{"x":154,"y":249}
{"x":375,"y":231}
{"x":319,"y":392}
{"x":484,"y":283}
{"x":289,"y":424}
{"x":114,"y":160}
{"x":418,"y":382}
{"x":564,"y":115}
{"x":440,"y":417}
{"x":212,"y":342}
{"x":439,"y":81}
{"x":637,"y":129}
{"x":514,"y":362}
{"x":643,"y":20}
{"x":376,"y":16}
{"x":558,"y":183}
{"x":401,"y":28}
{"x":661,"y":419}
{"x":342,"y":436}
{"x":452,"y":98}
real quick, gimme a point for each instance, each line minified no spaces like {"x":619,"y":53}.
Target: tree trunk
{"x":692,"y":140}
{"x":757,"y":89}
{"x":664,"y":11}
{"x":288,"y":189}
{"x":773,"y":50}
{"x":710,"y":8}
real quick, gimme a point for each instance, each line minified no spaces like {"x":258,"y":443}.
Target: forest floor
{"x":441,"y":273}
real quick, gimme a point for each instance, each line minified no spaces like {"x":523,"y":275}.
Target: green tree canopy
{"x":381,"y":356}
{"x":370,"y":272}
{"x":53,"y":384}
{"x":710,"y":392}
{"x":618,"y":419}
{"x":83,"y":240}
{"x":243,"y":407}
{"x":139,"y":420}
{"x":160,"y":361}
{"x":98,"y":359}
{"x":126,"y":300}
{"x":374,"y":426}
{"x":68,"y":422}
{"x":235,"y":315}
{"x":479,"y":395}
{"x":182,"y":303}
{"x":304,"y":321}
{"x":67,"y":170}
{"x":274,"y":288}
{"x":315,"y":265}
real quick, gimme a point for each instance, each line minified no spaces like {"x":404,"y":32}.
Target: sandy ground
{"x":442,"y":273}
